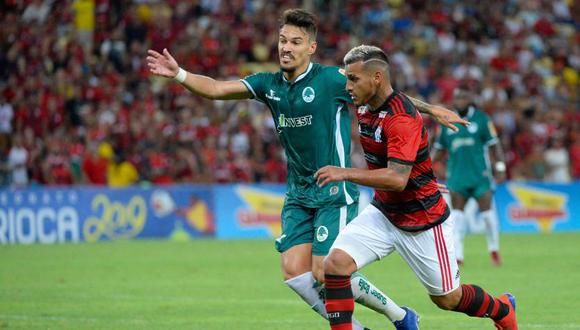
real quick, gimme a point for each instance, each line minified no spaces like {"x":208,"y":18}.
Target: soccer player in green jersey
{"x":469,"y":174}
{"x":309,"y":105}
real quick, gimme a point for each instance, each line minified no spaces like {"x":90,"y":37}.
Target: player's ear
{"x":378,"y":77}
{"x":312,"y":48}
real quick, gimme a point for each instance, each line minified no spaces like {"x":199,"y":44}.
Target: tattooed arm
{"x":443,"y":116}
{"x":393,"y":178}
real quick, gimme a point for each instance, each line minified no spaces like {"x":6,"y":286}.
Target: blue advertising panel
{"x":538,"y":207}
{"x":55,"y":215}
{"x":249,"y":211}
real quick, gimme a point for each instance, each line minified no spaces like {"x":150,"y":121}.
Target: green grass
{"x":210,"y":284}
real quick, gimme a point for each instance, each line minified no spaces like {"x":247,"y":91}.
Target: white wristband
{"x":180,"y":76}
{"x":500,"y":166}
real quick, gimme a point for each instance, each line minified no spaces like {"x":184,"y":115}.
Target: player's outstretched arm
{"x":443,"y":116}
{"x":164,"y":65}
{"x":392,"y":178}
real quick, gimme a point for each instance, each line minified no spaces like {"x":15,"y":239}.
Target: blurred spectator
{"x":121,"y":173}
{"x":17,"y":161}
{"x":37,"y":10}
{"x":557,"y":161}
{"x":73,"y":79}
{"x":4,"y":167}
{"x":94,"y":166}
{"x":57,"y":167}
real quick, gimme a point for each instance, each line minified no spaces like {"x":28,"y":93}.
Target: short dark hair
{"x":301,"y":18}
{"x":365,"y":53}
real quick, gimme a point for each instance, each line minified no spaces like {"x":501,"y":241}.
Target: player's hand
{"x":162,"y":64}
{"x":447,"y":118}
{"x":329,"y":174}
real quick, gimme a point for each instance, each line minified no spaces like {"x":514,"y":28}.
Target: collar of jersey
{"x":385,"y":104}
{"x":302,"y":75}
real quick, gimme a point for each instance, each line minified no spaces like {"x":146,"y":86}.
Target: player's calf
{"x":339,"y":301}
{"x":477,"y":302}
{"x":338,"y":267}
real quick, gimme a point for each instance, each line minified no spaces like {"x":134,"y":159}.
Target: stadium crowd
{"x":78,"y":106}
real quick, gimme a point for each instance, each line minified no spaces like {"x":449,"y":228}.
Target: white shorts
{"x":429,"y":253}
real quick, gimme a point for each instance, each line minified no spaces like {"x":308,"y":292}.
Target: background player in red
{"x":408,"y":213}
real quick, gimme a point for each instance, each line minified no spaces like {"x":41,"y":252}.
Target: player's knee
{"x":447,"y":302}
{"x":292,"y":269}
{"x":339,"y":262}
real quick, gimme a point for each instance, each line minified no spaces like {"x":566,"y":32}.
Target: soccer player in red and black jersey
{"x":407,"y":214}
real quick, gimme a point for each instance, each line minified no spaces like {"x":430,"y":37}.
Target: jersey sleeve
{"x":404,"y":137}
{"x":488,"y":132}
{"x":337,"y":84}
{"x":442,"y":141}
{"x":257,"y":84}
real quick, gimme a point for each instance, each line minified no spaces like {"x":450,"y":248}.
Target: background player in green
{"x":308,"y":102}
{"x":469,"y":174}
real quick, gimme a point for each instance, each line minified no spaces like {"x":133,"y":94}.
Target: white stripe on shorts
{"x":343,"y":214}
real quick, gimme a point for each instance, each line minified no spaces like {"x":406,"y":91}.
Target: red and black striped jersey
{"x":395,"y":132}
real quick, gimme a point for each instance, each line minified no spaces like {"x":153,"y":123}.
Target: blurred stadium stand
{"x":78,"y":106}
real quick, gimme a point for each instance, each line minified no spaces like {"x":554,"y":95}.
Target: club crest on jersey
{"x":272,"y":96}
{"x":321,"y":234}
{"x":333,"y":190}
{"x":308,"y":94}
{"x":378,"y":135}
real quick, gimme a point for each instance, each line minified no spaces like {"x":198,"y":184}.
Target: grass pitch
{"x":210,"y":284}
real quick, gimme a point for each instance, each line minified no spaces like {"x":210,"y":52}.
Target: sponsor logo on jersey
{"x":308,"y":94}
{"x":272,"y":96}
{"x":321,"y":234}
{"x":283,"y":121}
{"x":462,"y":142}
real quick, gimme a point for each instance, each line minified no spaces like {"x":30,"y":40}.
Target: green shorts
{"x":317,"y":226}
{"x":484,"y":185}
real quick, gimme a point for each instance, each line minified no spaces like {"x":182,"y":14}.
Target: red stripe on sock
{"x":484,"y":305}
{"x":337,"y":283}
{"x":495,"y":309}
{"x":337,"y":305}
{"x":344,"y":326}
{"x":468,"y":293}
